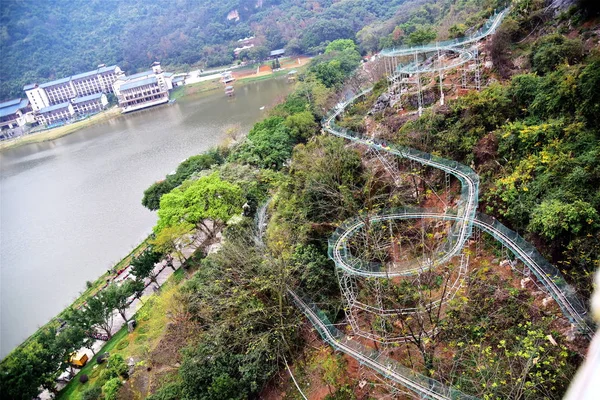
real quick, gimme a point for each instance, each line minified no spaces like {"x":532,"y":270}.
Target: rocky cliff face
{"x":560,"y":5}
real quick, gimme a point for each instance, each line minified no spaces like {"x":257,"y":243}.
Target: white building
{"x":15,"y":113}
{"x":74,"y":108}
{"x":91,"y":104}
{"x":56,"y":113}
{"x":63,"y":90}
{"x":144,"y":89}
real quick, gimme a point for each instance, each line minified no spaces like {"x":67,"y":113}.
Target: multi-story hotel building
{"x":89,"y":104}
{"x":82,"y":94}
{"x":144,"y":89}
{"x":55,"y":114}
{"x":14,"y":113}
{"x":63,"y":90}
{"x":79,"y":106}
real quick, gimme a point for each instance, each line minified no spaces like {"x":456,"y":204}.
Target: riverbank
{"x":242,"y":79}
{"x":92,"y":288}
{"x":55,"y":133}
{"x":177,"y":93}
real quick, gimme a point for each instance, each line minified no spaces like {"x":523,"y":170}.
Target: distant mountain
{"x":42,"y":40}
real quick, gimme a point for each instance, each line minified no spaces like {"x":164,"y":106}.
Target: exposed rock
{"x":560,"y":5}
{"x":571,"y":333}
{"x":546,"y":301}
{"x":381,"y":104}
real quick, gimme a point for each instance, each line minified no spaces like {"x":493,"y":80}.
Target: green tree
{"x":302,"y":125}
{"x":341,"y":45}
{"x":315,"y":93}
{"x":96,"y":313}
{"x":210,"y":374}
{"x":552,"y":50}
{"x":117,"y":366}
{"x":152,"y":195}
{"x":137,"y":286}
{"x":172,"y":239}
{"x":422,"y":35}
{"x":328,"y":179}
{"x":38,"y":363}
{"x":111,"y":389}
{"x":91,"y":393}
{"x":258,"y":53}
{"x":268,"y":145}
{"x":68,"y":341}
{"x":143,"y":266}
{"x":553,"y":218}
{"x":208,"y":198}
{"x":329,"y":73}
{"x":170,"y":391}
{"x":457,"y":30}
{"x":589,"y":82}
{"x":118,"y":295}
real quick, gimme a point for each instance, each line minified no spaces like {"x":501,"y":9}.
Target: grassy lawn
{"x":74,"y":387}
{"x":152,"y":319}
{"x":251,"y":79}
{"x":195,"y":88}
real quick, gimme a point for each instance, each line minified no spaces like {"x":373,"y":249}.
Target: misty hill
{"x":42,"y":40}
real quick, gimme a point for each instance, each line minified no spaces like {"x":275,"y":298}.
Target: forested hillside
{"x":226,"y":328}
{"x":43,"y":40}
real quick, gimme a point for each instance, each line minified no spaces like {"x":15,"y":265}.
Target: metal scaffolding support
{"x":447,"y":182}
{"x":441,"y":77}
{"x":478,"y":245}
{"x":361,"y":247}
{"x":419,"y":89}
{"x":477,"y":69}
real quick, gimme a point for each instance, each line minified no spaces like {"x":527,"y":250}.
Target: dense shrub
{"x":170,"y":391}
{"x":91,"y":393}
{"x":152,"y":195}
{"x":111,"y":389}
{"x":552,"y":50}
{"x":268,"y":145}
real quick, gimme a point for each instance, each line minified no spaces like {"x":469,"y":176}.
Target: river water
{"x":70,"y":208}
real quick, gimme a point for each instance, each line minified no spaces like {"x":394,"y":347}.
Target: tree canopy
{"x":42,"y":41}
{"x":208,"y":198}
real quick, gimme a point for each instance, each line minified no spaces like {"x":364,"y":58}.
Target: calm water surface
{"x":70,"y":208}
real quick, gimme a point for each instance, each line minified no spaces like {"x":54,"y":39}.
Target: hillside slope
{"x":43,"y":40}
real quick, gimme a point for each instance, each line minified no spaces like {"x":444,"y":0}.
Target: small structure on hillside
{"x":277,"y":53}
{"x":179,"y":80}
{"x":291,"y":76}
{"x":227,"y":77}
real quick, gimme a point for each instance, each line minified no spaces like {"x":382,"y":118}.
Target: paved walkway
{"x":162,"y":272}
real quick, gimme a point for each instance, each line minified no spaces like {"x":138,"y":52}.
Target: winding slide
{"x":465,"y":216}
